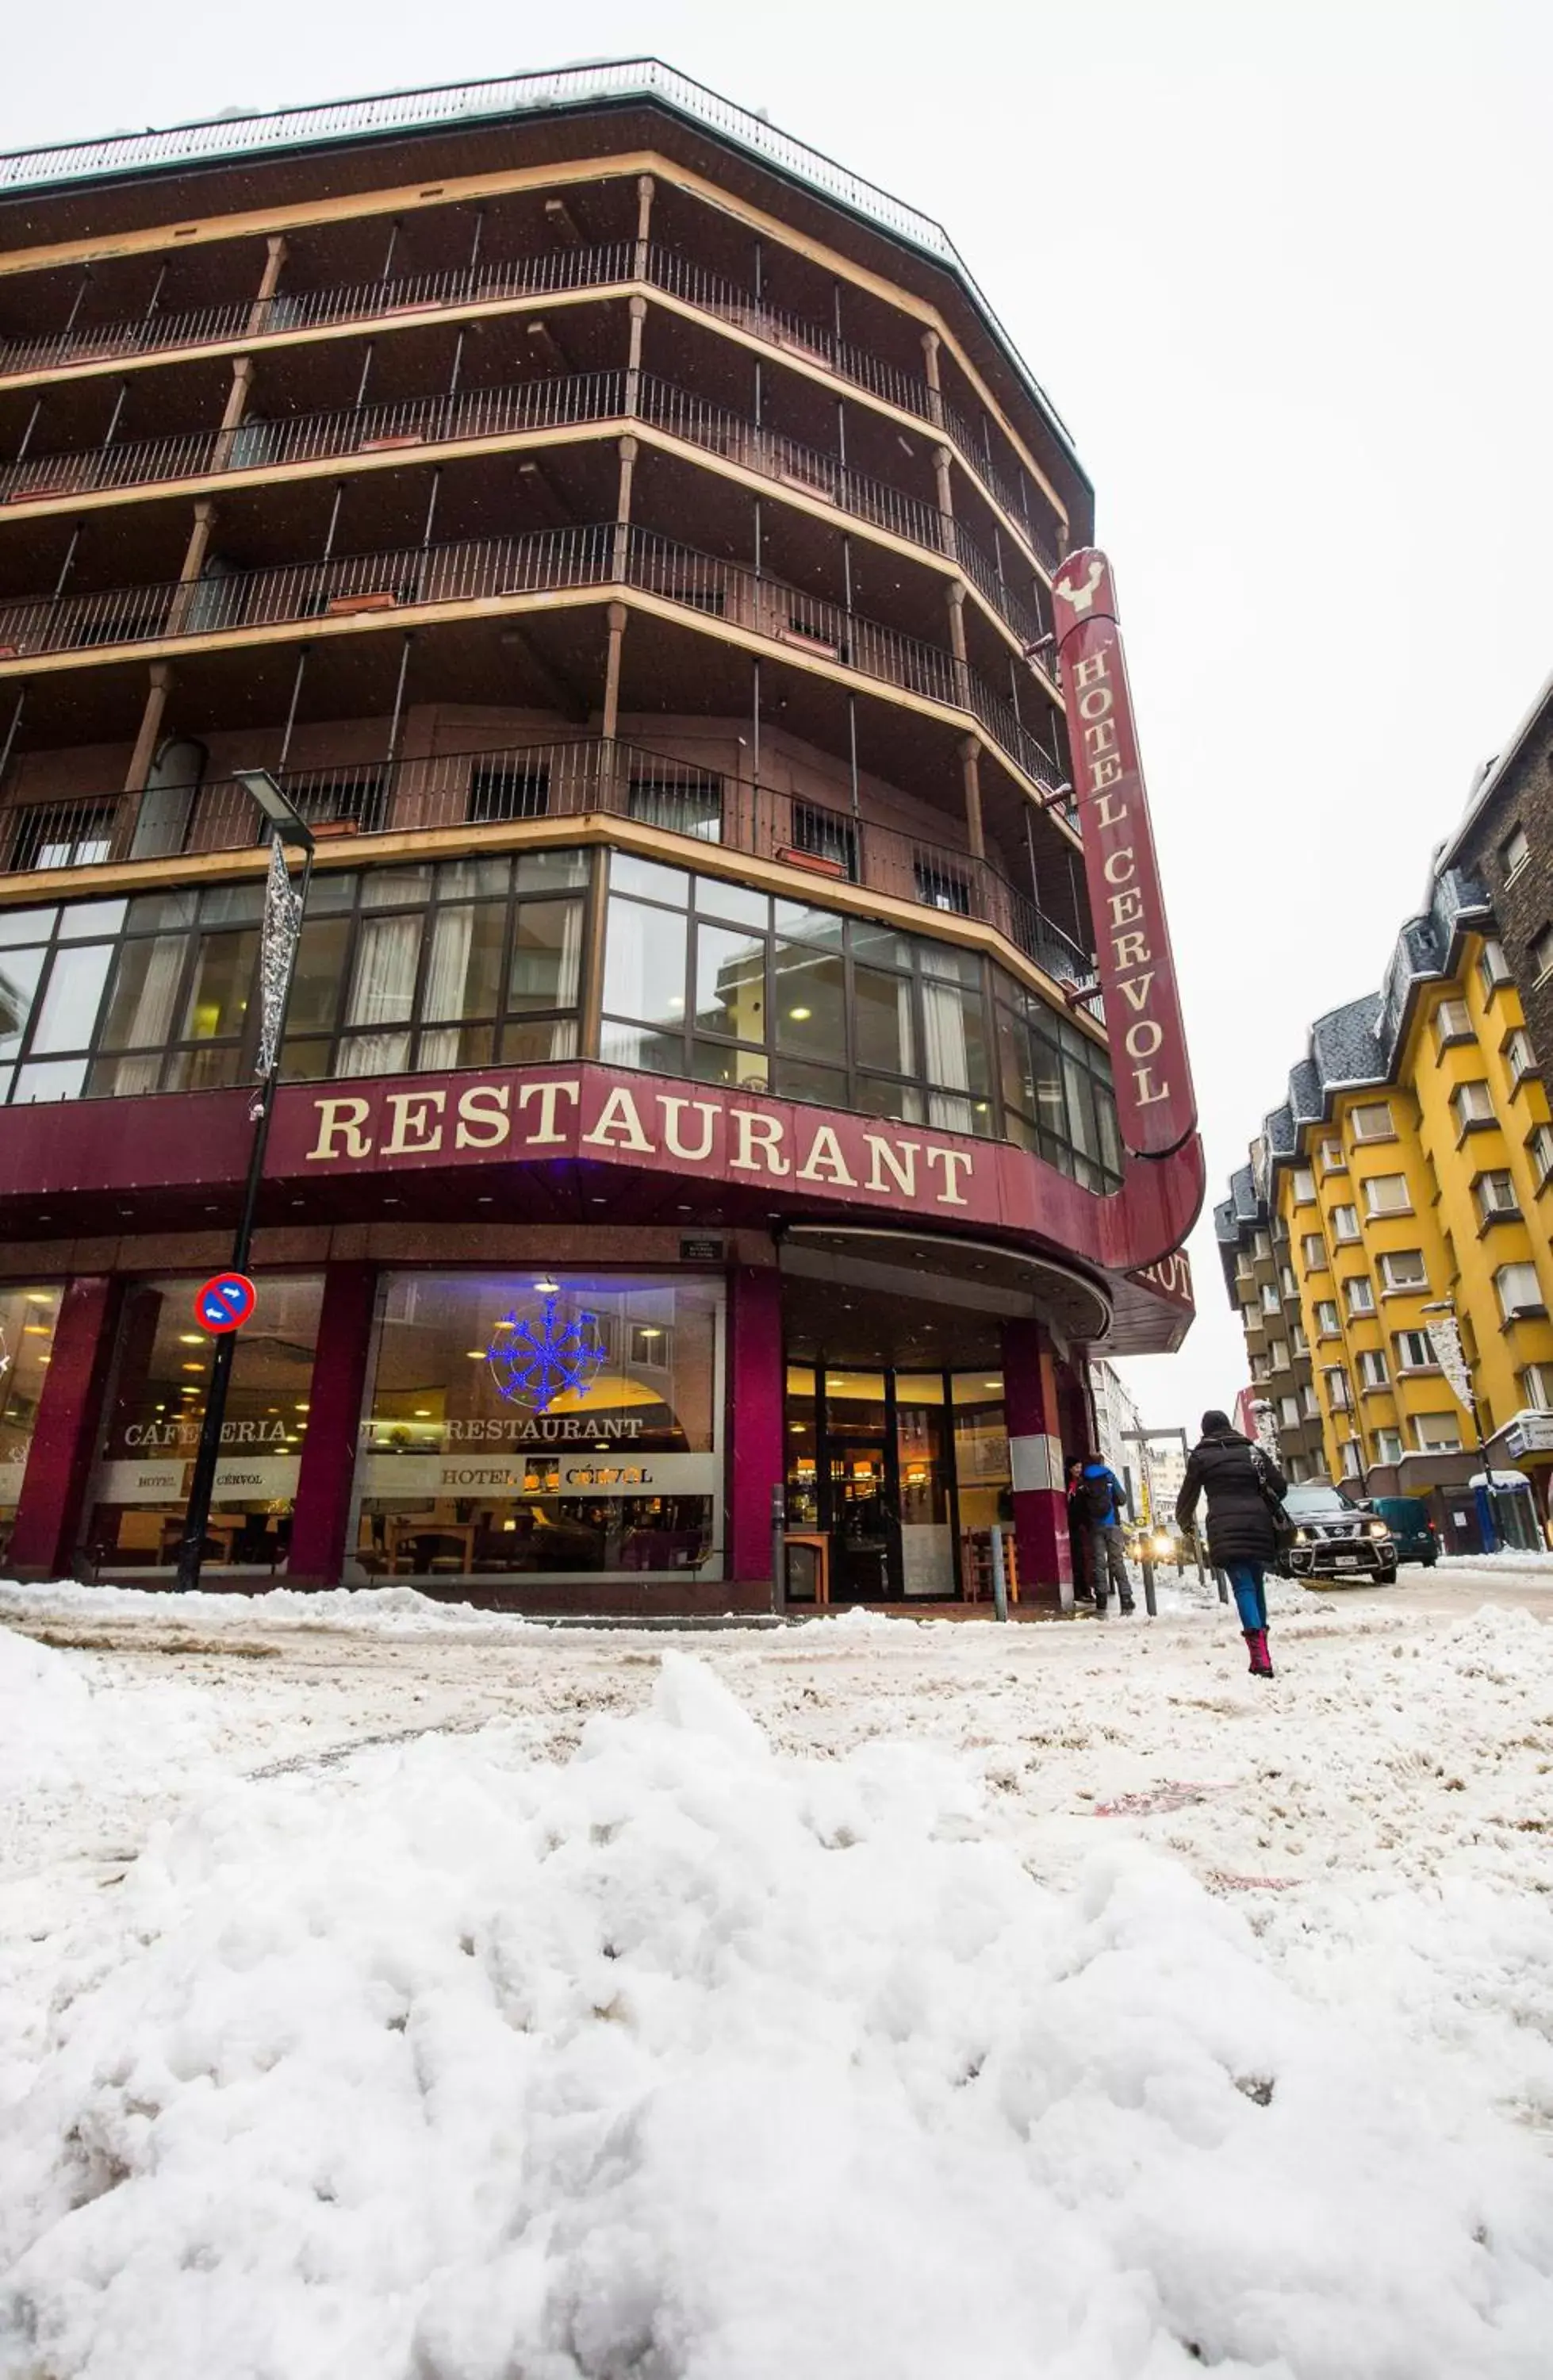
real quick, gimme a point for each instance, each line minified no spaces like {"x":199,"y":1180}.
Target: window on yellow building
{"x":1345,"y":1223}
{"x":1415,"y":1351}
{"x":1404,"y":1268}
{"x":1315,"y":1248}
{"x":1514,"y":852}
{"x":1537,"y":1387}
{"x":1373,"y":1373}
{"x":1326,"y":1321}
{"x":1473,"y":1104}
{"x":1332,"y":1158}
{"x":1360,"y":1293}
{"x":1520,"y":1056}
{"x":1304,"y":1185}
{"x":1453,"y":1022}
{"x":1519,"y":1291}
{"x":1388,"y":1446}
{"x":1496,"y":1196}
{"x":1438,"y":1433}
{"x":1540,"y":1149}
{"x":1348,"y":1454}
{"x":1334,"y":1381}
{"x":1387,"y":1193}
{"x":1373,"y":1121}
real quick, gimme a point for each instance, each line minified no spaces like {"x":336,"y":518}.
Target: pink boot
{"x":1261,"y":1659}
{"x":1250,"y":1636}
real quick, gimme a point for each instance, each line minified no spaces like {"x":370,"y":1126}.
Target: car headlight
{"x":1375,"y":1529}
{"x":1302,"y":1537}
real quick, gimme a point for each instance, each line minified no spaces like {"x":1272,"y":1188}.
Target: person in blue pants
{"x":1243,"y":1485}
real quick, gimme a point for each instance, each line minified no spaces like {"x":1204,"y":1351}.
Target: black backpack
{"x":1099,"y":1495}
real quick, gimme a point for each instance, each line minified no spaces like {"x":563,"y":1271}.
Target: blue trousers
{"x":1248,"y":1584}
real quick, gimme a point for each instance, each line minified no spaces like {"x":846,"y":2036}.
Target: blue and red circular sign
{"x":225,"y":1303}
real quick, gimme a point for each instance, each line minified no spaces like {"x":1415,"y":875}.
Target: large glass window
{"x":156,"y":1405}
{"x":548,"y":1426}
{"x":28,"y":1316}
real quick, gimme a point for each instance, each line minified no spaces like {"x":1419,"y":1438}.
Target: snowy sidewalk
{"x":396,"y":1993}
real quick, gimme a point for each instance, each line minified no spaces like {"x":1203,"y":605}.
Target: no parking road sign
{"x":225,"y":1303}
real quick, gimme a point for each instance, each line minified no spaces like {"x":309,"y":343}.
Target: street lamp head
{"x":282,"y":814}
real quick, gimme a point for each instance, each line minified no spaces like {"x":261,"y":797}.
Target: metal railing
{"x":470,"y":103}
{"x":472,"y":414}
{"x":475,"y":570}
{"x":547,"y":272}
{"x":548,"y":780}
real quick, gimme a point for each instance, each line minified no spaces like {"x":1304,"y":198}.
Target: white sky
{"x":1283,"y":267}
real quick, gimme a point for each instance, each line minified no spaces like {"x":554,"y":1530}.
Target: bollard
{"x":779,"y":1550}
{"x":1149,"y":1605}
{"x":999,"y":1575}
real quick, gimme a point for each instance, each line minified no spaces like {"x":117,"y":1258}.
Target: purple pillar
{"x":757,"y":1388}
{"x":1040,"y":1511}
{"x":48,"y":1522}
{"x":328,"y":1468}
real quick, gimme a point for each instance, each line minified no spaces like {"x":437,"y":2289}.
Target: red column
{"x":48,"y":1523}
{"x":1040,"y":1511}
{"x":757,"y":1389}
{"x":328,"y":1467}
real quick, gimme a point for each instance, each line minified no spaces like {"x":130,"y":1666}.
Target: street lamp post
{"x":1445,"y":1337}
{"x":284,"y":907}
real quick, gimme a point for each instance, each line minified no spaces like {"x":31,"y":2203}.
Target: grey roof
{"x":1305,"y":1091}
{"x":611,"y":82}
{"x":1242,"y":1192}
{"x":1278,"y":1130}
{"x":1343,"y":1044}
{"x":1488,"y":780}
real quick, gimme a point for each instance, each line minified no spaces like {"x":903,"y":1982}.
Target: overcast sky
{"x":1283,"y":266}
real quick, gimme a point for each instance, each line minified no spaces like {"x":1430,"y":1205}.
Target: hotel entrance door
{"x":863,"y":1517}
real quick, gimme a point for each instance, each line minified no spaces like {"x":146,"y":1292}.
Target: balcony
{"x":476,"y":415}
{"x":617,"y":268}
{"x":414,"y":580}
{"x":586,"y":776}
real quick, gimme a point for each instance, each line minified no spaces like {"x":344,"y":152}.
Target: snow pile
{"x":686,"y":2060}
{"x":382,"y":1610}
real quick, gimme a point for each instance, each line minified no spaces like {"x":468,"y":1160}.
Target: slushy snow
{"x":860,"y":2002}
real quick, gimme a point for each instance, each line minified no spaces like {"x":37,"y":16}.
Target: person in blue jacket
{"x":1105,"y":1500}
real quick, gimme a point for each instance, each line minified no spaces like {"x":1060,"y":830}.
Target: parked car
{"x":1337,"y":1540}
{"x":1413,"y":1532}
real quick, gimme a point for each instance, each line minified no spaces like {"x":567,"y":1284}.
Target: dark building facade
{"x":629,"y":540}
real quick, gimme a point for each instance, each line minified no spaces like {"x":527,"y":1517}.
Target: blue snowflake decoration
{"x":536,"y":1359}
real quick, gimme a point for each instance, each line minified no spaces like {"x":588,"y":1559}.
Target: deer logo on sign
{"x":1080,"y":597}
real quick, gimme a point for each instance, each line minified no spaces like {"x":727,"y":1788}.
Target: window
{"x":26,"y":1324}
{"x":1520,"y":1056}
{"x":351,"y":801}
{"x":1453,"y":1022}
{"x":1359,"y":1291}
{"x":1404,"y":1268}
{"x":63,"y":835}
{"x":1309,"y":1402}
{"x":1304,"y":1185}
{"x":1372,"y":1121}
{"x":1540,"y":1147}
{"x":1332,"y":1158}
{"x":1287,"y":1282}
{"x":1345,"y":1223}
{"x":1388,"y":1446}
{"x":1327,"y":1322}
{"x":1289,"y":1411}
{"x":1262,"y":1245}
{"x":1542,"y":953}
{"x":680,"y":801}
{"x":1348,"y":1454}
{"x":1537,"y":1387}
{"x":1277,"y":1356}
{"x":826,"y":836}
{"x":1298,"y":1341}
{"x":1314,"y":1250}
{"x":1387,"y":1193}
{"x":1270,"y":1301}
{"x":1297,"y":1469}
{"x":1373,"y":1373}
{"x":512,"y":787}
{"x":1335,"y":1383}
{"x":939,"y":887}
{"x":1519,"y":1291}
{"x":1415,"y":1351}
{"x":1493,"y":968}
{"x":1514,"y":852}
{"x":1496,"y":1196}
{"x":1474,"y":1105}
{"x":1438,"y":1433}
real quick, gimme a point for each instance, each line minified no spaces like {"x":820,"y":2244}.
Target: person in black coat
{"x":1242,"y":1486}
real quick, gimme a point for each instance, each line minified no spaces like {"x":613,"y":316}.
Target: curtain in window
{"x":381,"y":994}
{"x":447,"y":976}
{"x":140,"y":1015}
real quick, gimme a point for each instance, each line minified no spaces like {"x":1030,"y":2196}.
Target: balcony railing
{"x":552,"y":781}
{"x":545,"y":274}
{"x":488,"y":413}
{"x":416,"y":578}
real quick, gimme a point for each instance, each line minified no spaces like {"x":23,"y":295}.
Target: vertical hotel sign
{"x":1155,"y":1106}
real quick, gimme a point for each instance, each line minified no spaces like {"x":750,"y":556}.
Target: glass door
{"x":860,"y":1484}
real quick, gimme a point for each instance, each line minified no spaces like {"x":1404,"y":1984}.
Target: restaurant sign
{"x":1155,"y":1107}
